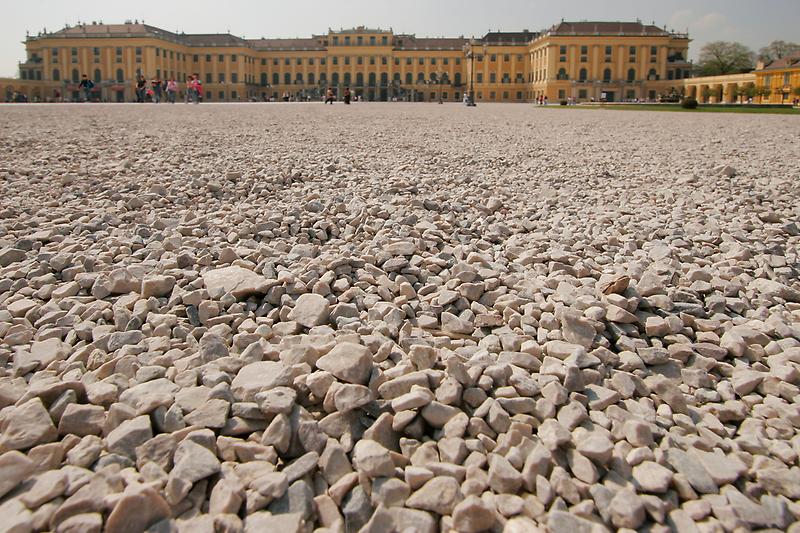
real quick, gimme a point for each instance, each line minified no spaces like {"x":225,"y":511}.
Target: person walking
{"x":190,"y":89}
{"x":329,"y":96}
{"x":157,"y":87}
{"x":347,"y":95}
{"x":86,"y":85}
{"x":198,"y":89}
{"x":141,"y":85}
{"x":172,"y":89}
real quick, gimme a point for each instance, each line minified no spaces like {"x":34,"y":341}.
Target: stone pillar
{"x":727,"y":92}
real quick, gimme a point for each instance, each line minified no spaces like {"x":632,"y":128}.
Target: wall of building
{"x":607,"y":67}
{"x":380,"y":65}
{"x":782,"y":83}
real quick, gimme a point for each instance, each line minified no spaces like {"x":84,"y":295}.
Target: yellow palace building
{"x":780,"y":78}
{"x":610,"y":61}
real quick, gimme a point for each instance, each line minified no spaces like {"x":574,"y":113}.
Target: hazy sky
{"x":753,"y":22}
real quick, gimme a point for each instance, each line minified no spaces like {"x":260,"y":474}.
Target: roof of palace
{"x":287,"y":44}
{"x":607,"y":28}
{"x":212,"y":39}
{"x":411,"y":42}
{"x":510,"y":37}
{"x":136,"y":29}
{"x":318,"y":42}
{"x":103,"y":29}
{"x":790,"y":61}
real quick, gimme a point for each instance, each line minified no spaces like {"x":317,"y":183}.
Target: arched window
{"x":75,"y":75}
{"x":323,"y":78}
{"x":335,"y":78}
{"x":396,"y":77}
{"x":372,"y":79}
{"x":287,"y":78}
{"x":120,"y":75}
{"x":299,"y":78}
{"x":348,"y":78}
{"x":582,"y":74}
{"x":409,"y":78}
{"x":652,"y":75}
{"x":98,"y":76}
{"x":384,"y":79}
{"x":276,"y":78}
{"x":632,"y":74}
{"x":311,"y":78}
{"x":562,"y":74}
{"x":457,"y":78}
{"x":434,"y":78}
{"x":421,"y":77}
{"x":359,"y":79}
{"x":607,"y":75}
{"x":263,"y":79}
{"x":445,"y":78}
{"x":56,"y":75}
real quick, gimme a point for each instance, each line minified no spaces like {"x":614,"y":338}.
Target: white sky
{"x":753,"y":22}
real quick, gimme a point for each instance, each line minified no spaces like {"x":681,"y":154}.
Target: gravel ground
{"x":397,"y":317}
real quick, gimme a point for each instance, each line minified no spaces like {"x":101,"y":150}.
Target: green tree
{"x":763,"y":93}
{"x":722,"y":57}
{"x":777,"y":50}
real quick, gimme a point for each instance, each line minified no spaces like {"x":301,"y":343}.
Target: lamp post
{"x":471,"y":55}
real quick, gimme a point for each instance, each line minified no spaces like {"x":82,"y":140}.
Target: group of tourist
{"x":330,"y":96}
{"x":156,"y":89}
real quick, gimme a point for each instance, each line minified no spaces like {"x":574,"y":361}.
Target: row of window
{"x":584,"y":55}
{"x":506,"y":78}
{"x":609,"y":50}
{"x":221,"y":58}
{"x":31,"y":75}
{"x":583,"y":75}
{"x":506,"y":58}
{"x":98,"y":75}
{"x":787,"y":79}
{"x":347,"y":79}
{"x":360,"y":60}
{"x":359,"y":40}
{"x":97,"y":51}
{"x":311,"y":79}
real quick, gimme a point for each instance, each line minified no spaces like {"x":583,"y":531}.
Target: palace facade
{"x":610,"y":61}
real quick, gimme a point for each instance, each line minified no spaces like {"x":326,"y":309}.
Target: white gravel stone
{"x":299,"y":331}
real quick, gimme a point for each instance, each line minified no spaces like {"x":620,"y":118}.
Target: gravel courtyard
{"x":398,"y":317}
